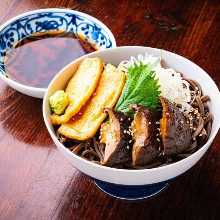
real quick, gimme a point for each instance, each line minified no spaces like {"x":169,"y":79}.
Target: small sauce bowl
{"x":44,"y":20}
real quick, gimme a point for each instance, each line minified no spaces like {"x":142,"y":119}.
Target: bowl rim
{"x":125,"y":171}
{"x":41,"y":90}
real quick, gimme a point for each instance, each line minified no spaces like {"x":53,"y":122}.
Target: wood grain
{"x":36,"y":182}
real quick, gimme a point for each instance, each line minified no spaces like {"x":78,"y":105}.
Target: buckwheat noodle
{"x":200,"y":121}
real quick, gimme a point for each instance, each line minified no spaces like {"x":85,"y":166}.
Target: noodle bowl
{"x":160,"y":173}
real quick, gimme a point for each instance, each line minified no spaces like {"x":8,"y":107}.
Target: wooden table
{"x":36,"y":181}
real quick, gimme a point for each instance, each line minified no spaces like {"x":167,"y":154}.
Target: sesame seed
{"x":158,"y":139}
{"x":167,"y":113}
{"x":121,"y":119}
{"x":149,"y":122}
{"x":125,"y":131}
{"x":129,"y":119}
{"x":127,"y":147}
{"x":129,"y":141}
{"x":157,"y":122}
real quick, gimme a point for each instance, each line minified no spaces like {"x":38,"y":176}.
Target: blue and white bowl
{"x":43,"y":20}
{"x":136,"y":184}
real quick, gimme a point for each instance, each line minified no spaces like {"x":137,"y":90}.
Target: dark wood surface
{"x":36,"y":182}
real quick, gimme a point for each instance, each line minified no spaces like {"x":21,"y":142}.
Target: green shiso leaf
{"x":141,"y":88}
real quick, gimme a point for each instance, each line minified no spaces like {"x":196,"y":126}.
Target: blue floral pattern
{"x":44,"y":21}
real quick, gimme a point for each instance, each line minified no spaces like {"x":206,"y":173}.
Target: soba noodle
{"x":200,"y":121}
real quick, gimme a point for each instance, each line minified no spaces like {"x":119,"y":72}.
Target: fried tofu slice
{"x":106,"y":95}
{"x":80,"y":88}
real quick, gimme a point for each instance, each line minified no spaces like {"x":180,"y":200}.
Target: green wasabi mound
{"x":58,"y":102}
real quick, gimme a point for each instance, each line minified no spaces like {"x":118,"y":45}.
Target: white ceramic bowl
{"x":145,"y":176}
{"x":43,"y":20}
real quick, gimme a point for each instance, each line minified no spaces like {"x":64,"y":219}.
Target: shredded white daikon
{"x":172,"y":85}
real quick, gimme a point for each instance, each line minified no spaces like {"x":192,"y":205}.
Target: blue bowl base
{"x":127,"y":192}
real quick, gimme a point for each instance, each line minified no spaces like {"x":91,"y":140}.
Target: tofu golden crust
{"x":106,"y":95}
{"x":80,"y":88}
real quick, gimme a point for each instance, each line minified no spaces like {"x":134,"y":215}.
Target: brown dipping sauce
{"x":36,"y":59}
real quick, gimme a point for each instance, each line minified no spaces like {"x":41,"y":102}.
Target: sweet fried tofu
{"x":80,"y":88}
{"x":106,"y":95}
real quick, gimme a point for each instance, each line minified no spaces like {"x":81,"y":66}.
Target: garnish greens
{"x":141,"y":88}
